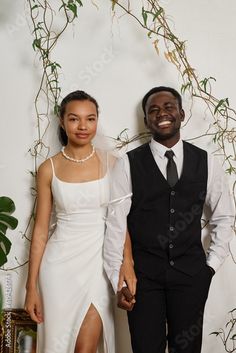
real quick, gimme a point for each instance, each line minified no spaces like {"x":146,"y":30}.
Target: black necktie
{"x":171,"y":170}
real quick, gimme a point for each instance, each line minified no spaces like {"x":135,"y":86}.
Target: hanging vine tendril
{"x":45,"y":38}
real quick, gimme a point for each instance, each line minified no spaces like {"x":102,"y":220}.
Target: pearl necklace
{"x":78,"y":160}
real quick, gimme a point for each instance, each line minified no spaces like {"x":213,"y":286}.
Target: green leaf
{"x":145,"y":16}
{"x":39,"y":28}
{"x":73,"y":8}
{"x":221,"y":103}
{"x":3,"y":257}
{"x":3,"y":229}
{"x":185,"y":87}
{"x":9,"y":221}
{"x":56,"y":109}
{"x":79,"y":2}
{"x":206,"y":81}
{"x":5,"y":244}
{"x":5,"y":247}
{"x":6,"y":205}
{"x":36,"y":44}
{"x":34,"y":7}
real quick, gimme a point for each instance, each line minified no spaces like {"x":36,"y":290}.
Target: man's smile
{"x":165,"y":122}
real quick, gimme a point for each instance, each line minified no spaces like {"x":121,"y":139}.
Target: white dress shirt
{"x":218,"y":202}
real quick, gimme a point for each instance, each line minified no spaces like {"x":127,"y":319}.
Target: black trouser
{"x":175,"y":299}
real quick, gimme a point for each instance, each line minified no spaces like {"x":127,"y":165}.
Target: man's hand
{"x":125,"y":300}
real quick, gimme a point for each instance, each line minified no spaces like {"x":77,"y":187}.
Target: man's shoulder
{"x":193,"y":148}
{"x":138,"y":150}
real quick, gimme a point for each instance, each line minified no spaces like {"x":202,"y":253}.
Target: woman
{"x":72,"y":306}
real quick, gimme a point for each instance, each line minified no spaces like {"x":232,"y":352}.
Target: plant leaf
{"x":6,"y":205}
{"x":215,"y":333}
{"x":73,"y":9}
{"x":79,"y":2}
{"x":9,"y":221}
{"x":5,"y":244}
{"x":5,"y":247}
{"x":145,"y":16}
{"x":221,"y":103}
{"x":3,"y":228}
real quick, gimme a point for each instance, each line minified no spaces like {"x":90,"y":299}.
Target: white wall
{"x":113,"y":60}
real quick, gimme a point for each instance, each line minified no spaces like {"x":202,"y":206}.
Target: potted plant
{"x":7,"y":207}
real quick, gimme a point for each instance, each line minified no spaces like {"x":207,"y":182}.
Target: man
{"x":163,"y":217}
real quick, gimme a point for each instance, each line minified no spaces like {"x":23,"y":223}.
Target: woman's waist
{"x":82,"y":216}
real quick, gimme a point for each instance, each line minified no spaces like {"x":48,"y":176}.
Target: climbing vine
{"x":45,"y":39}
{"x":154,"y":21}
{"x":46,"y":35}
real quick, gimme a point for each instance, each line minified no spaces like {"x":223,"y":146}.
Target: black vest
{"x":164,"y":222}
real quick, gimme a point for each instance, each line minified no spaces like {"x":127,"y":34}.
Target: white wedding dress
{"x":71,"y":274}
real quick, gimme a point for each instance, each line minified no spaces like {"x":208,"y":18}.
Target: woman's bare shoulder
{"x":45,"y":168}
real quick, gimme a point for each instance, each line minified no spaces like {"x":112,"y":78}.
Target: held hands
{"x":125,"y":300}
{"x":126,"y":295}
{"x":33,"y":305}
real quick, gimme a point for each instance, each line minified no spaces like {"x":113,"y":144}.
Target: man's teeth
{"x":166,"y":122}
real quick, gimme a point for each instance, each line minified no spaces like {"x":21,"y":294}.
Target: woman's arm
{"x":39,"y":239}
{"x":127,"y":273}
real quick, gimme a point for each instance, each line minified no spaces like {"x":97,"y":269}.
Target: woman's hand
{"x":126,"y":295}
{"x":33,"y":305}
{"x":128,"y":276}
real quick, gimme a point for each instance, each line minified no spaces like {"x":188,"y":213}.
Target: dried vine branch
{"x":228,"y":335}
{"x":153,"y":20}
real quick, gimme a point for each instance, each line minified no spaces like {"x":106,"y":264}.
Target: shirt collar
{"x":158,"y":148}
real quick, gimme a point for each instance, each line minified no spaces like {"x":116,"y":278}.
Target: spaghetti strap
{"x":53,"y":170}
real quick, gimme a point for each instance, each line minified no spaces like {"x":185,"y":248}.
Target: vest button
{"x":171,"y":246}
{"x":172,"y":229}
{"x":172,"y":263}
{"x":172,"y":193}
{"x":172,"y":210}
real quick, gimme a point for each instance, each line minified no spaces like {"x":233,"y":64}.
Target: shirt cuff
{"x":213,"y":262}
{"x":114,"y":280}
